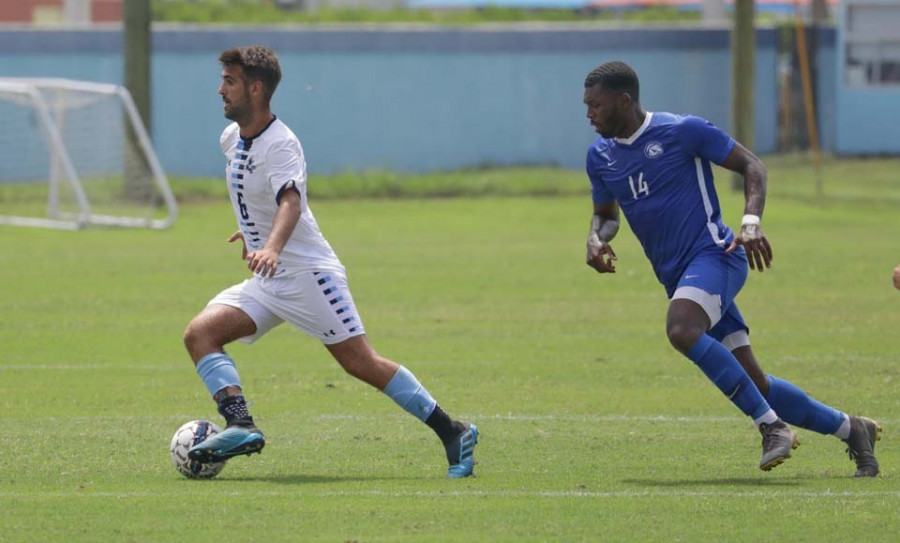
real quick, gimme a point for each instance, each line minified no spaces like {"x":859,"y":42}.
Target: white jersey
{"x":258,"y":170}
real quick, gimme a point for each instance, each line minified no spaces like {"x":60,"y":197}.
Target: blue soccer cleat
{"x":461,"y":452}
{"x":233,"y":441}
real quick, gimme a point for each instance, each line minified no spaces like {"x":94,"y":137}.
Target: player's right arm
{"x":605,"y":221}
{"x":897,"y":277}
{"x":604,"y":227}
{"x":286,"y":175}
{"x":265,"y":261}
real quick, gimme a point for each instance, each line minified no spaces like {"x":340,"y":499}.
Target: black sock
{"x":234,"y":409}
{"x":445,"y":427}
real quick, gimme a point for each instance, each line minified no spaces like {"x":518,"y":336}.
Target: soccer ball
{"x":190,"y":434}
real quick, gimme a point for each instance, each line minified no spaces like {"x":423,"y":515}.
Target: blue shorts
{"x":712,"y":280}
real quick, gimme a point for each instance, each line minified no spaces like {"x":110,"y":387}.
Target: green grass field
{"x":593,"y":428}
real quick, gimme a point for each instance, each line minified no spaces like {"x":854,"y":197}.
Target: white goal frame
{"x":63,"y":171}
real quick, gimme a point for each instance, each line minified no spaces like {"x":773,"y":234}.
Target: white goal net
{"x":75,"y":154}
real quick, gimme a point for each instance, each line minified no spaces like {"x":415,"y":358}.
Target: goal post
{"x":76,"y":154}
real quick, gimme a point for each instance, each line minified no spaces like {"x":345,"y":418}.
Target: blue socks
{"x":217,"y":371}
{"x":789,"y":401}
{"x":723,"y":369}
{"x":795,"y":407}
{"x":409,"y":394}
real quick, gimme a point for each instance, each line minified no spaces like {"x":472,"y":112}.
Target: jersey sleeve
{"x":599,"y":192}
{"x":705,"y":140}
{"x":226,"y":137}
{"x":286,"y":164}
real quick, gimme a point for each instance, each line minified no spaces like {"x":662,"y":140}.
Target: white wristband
{"x":750,"y":220}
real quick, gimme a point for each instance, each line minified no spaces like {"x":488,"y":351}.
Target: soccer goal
{"x":76,"y":154}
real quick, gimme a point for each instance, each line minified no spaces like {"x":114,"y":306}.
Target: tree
{"x":743,"y":80}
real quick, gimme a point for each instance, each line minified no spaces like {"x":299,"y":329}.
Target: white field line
{"x":509,"y":417}
{"x":522,"y":417}
{"x":545,"y":494}
{"x":60,"y":367}
{"x":94,"y":367}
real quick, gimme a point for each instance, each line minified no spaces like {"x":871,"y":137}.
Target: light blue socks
{"x":409,"y":394}
{"x":218,"y":371}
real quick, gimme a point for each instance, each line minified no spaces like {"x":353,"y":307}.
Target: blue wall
{"x":411,"y":99}
{"x":866,"y":120}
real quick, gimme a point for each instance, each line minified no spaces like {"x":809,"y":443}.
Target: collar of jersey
{"x":251,"y":138}
{"x":631,"y":139}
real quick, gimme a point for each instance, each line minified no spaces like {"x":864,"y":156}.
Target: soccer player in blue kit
{"x":656,"y":167}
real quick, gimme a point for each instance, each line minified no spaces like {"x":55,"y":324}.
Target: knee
{"x":683,"y":336}
{"x":358,"y":365}
{"x":194,"y":336}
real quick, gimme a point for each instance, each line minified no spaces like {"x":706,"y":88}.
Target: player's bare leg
{"x":205,"y":339}
{"x":360,"y":360}
{"x":796,"y":407}
{"x":357,"y":357}
{"x":214,"y":327}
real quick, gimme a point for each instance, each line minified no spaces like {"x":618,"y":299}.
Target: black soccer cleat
{"x":864,"y":433}
{"x":777,"y":441}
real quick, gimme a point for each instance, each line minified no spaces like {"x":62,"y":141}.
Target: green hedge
{"x":262,"y":12}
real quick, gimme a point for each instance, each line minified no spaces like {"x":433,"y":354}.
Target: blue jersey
{"x":663,"y":182}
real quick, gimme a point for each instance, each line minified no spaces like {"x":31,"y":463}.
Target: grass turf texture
{"x":593,"y":428}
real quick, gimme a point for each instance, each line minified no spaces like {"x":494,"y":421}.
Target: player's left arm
{"x":265,"y":261}
{"x":751,"y":236}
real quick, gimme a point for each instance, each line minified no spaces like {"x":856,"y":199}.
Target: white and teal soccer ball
{"x":187,"y":436}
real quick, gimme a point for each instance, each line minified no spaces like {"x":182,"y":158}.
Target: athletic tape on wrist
{"x":750,"y":220}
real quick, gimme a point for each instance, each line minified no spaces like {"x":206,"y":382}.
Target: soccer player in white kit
{"x":297,"y":277}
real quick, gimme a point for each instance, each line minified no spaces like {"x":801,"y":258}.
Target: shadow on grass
{"x":309,"y":479}
{"x":729,"y":481}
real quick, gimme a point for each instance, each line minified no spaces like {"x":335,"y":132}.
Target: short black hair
{"x":615,"y":76}
{"x":259,"y":64}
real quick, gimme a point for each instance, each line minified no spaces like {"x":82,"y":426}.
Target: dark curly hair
{"x":259,"y":64}
{"x":616,"y":77}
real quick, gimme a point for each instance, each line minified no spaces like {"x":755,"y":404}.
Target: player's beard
{"x":606,"y":132}
{"x":613,"y":127}
{"x":239,"y":110}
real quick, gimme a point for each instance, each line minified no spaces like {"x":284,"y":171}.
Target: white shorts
{"x":318,"y":303}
